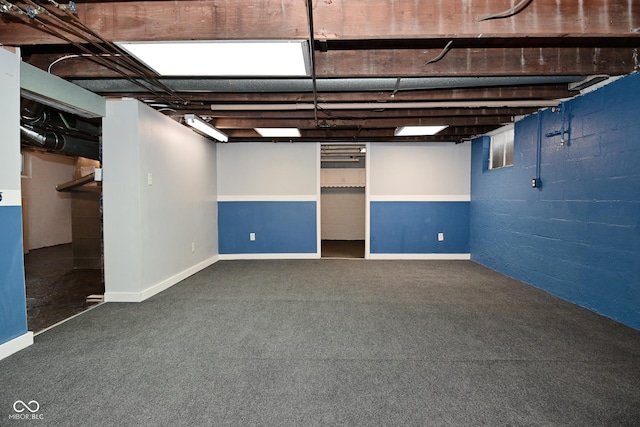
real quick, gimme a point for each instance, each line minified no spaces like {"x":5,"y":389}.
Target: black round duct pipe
{"x":62,"y":143}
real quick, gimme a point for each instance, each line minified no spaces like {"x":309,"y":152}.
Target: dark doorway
{"x":343,"y":200}
{"x":55,"y":290}
{"x":343,"y":248}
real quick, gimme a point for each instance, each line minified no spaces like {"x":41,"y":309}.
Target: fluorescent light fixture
{"x":418,"y":130}
{"x":223,"y":57}
{"x":279,"y":132}
{"x":204,"y":127}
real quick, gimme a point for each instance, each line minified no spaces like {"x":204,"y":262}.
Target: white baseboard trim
{"x":232,"y":257}
{"x":421,"y":256}
{"x":159,"y":287}
{"x":15,"y":345}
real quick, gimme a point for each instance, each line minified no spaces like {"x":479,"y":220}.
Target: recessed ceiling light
{"x":223,"y":58}
{"x":279,"y":132}
{"x":418,"y":130}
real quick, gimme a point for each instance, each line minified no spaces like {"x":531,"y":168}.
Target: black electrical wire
{"x":507,"y":13}
{"x":312,"y":56}
{"x":133,"y":65}
{"x":441,"y":55}
{"x":92,"y":56}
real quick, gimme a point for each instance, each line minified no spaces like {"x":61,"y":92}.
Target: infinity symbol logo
{"x":20,"y":404}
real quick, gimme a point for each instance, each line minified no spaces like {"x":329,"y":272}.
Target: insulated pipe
{"x":324,"y":84}
{"x":386,"y":105}
{"x":62,"y":143}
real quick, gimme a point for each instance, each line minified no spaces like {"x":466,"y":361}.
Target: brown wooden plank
{"x":339,"y":19}
{"x":203,"y":100}
{"x":476,"y":62}
{"x":364,"y":19}
{"x":369,"y":114}
{"x":411,"y":63}
{"x":239,"y":123}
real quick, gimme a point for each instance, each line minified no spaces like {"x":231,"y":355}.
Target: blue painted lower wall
{"x":13,"y":312}
{"x":280,"y":227}
{"x":578,"y":235}
{"x":413,"y":227}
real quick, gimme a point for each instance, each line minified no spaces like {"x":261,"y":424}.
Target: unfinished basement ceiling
{"x":374,"y":65}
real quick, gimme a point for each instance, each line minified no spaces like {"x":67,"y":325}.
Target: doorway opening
{"x":342,"y":200}
{"x":62,"y":215}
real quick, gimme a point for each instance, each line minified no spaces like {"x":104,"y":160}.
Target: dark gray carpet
{"x":333,"y":342}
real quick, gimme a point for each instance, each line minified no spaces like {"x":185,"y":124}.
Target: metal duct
{"x":323,"y":85}
{"x":65,"y":144}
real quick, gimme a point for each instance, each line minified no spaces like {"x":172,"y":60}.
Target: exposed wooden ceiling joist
{"x":411,"y":63}
{"x":357,"y":44}
{"x":342,"y":19}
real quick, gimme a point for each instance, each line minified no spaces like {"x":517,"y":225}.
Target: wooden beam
{"x":203,"y":100}
{"x":369,"y":114}
{"x":349,"y":136}
{"x":477,"y":62}
{"x":412,"y":62}
{"x":239,"y":123}
{"x":364,"y":19}
{"x":176,"y":20}
{"x":338,"y":19}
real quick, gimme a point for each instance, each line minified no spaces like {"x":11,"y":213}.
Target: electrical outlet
{"x":252,"y":236}
{"x":193,"y":246}
{"x":440,"y":237}
{"x":150,"y":178}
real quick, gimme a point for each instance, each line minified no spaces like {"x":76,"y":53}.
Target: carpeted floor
{"x":332,"y":342}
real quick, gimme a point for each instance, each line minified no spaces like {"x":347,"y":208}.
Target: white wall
{"x":267,"y":169}
{"x":10,"y":120}
{"x":438,"y":171}
{"x":48,"y":212}
{"x":160,"y":233}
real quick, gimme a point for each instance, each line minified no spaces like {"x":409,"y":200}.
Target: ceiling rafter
{"x":363,"y":52}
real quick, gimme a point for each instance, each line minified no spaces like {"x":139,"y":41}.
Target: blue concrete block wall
{"x":578,"y":235}
{"x":13,"y":313}
{"x":280,"y":227}
{"x":413,"y":227}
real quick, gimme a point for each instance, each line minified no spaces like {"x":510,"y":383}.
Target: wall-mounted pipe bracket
{"x":564,"y":132}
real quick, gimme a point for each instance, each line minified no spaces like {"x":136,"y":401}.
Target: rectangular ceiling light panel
{"x":418,"y":130}
{"x":223,"y":58}
{"x":279,"y":132}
